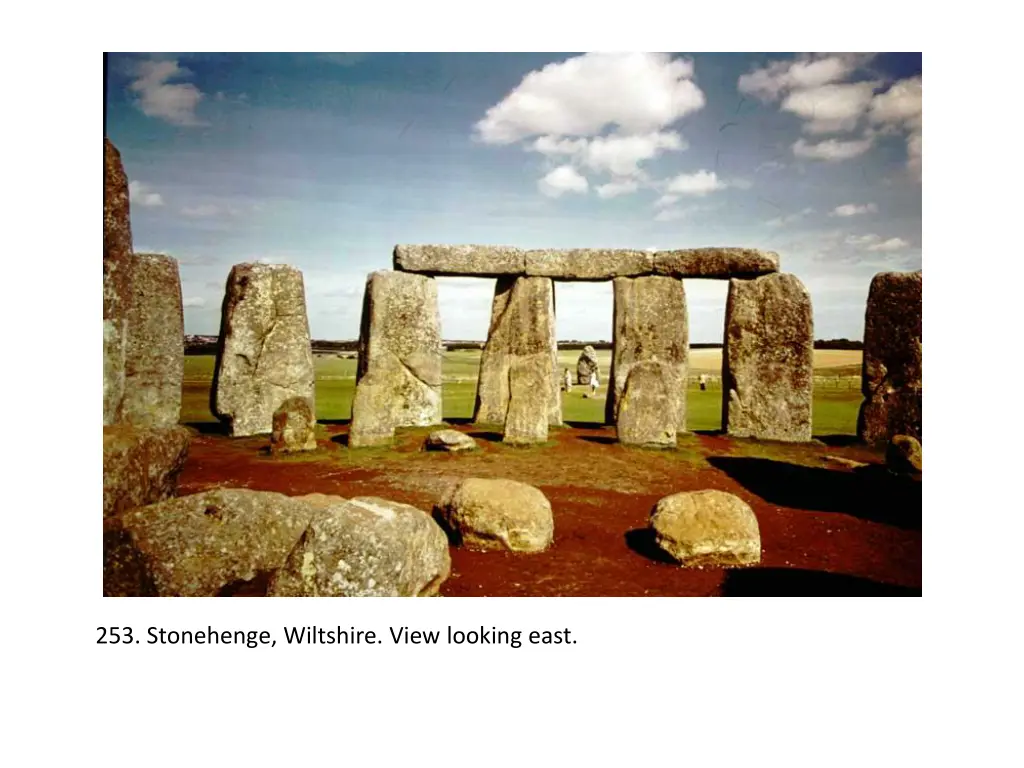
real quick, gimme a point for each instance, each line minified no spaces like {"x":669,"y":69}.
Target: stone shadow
{"x":870,"y":493}
{"x":334,"y":422}
{"x":491,"y":437}
{"x":599,"y":439}
{"x":207,"y":427}
{"x":341,"y":440}
{"x":798,"y":582}
{"x":838,"y":441}
{"x":641,"y":541}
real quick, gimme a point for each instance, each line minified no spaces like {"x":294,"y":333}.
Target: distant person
{"x":594,"y":383}
{"x":568,"y":380}
{"x":703,"y":380}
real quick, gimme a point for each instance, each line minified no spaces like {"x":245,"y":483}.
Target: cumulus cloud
{"x":563,"y":179}
{"x":142,"y":194}
{"x":900,"y":110}
{"x":806,"y":71}
{"x":831,"y":108}
{"x":157,"y":97}
{"x":665,"y":200}
{"x":781,"y":221}
{"x":697,"y":184}
{"x":875,"y":243}
{"x":194,"y":301}
{"x":851,"y":209}
{"x":832,"y":149}
{"x":616,"y":188}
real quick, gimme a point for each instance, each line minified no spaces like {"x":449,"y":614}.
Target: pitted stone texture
{"x":264,"y":355}
{"x":650,"y":324}
{"x":707,"y":529}
{"x":200,"y":545}
{"x":520,"y":344}
{"x":526,"y":421}
{"x":768,"y":360}
{"x":294,"y":427}
{"x":141,"y":465}
{"x":716,"y":263}
{"x":588,"y":263}
{"x":117,"y":279}
{"x":155,"y":348}
{"x":450,"y":440}
{"x":892,"y":380}
{"x":398,"y":381}
{"x":468,"y":260}
{"x":586,"y":365}
{"x":366,"y":547}
{"x":903,"y":456}
{"x":648,"y":407}
{"x":497,"y":514}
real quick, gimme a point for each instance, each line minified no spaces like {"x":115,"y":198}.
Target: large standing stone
{"x":520,"y":359}
{"x":586,"y":365}
{"x":768,"y":360}
{"x":892,"y":380}
{"x":155,"y":348}
{"x":366,"y":547}
{"x":648,"y":406}
{"x":398,"y":381}
{"x":707,"y":528}
{"x":484,"y":513}
{"x":264,"y":355}
{"x":651,"y":324}
{"x":141,"y":465}
{"x":117,"y":279}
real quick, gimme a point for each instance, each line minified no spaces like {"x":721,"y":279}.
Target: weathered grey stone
{"x":468,"y":260}
{"x":141,"y":465}
{"x":892,"y":380}
{"x":497,"y":514}
{"x":294,"y":427}
{"x":768,"y":359}
{"x":520,"y":344}
{"x":650,"y":324}
{"x":526,"y":421}
{"x":155,"y":346}
{"x":398,"y":380}
{"x":716,"y":263}
{"x":903,"y":456}
{"x":586,"y":365}
{"x":366,"y":547}
{"x":707,"y":528}
{"x":264,"y":355}
{"x":450,"y":440}
{"x":117,"y":279}
{"x":647,"y":409}
{"x":588,"y":263}
{"x":207,"y":543}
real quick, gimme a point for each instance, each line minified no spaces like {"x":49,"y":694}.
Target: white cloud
{"x":563,"y":179}
{"x":671,"y":214}
{"x":581,"y":96}
{"x":698,"y":184}
{"x":832,"y":149}
{"x":142,"y":194}
{"x":892,"y":244}
{"x":616,"y":188}
{"x":665,"y":200}
{"x":616,"y":154}
{"x":781,"y":221}
{"x":900,"y":105}
{"x":809,"y":71}
{"x":851,"y":209}
{"x":831,"y":108}
{"x":174,"y":102}
{"x":194,"y":301}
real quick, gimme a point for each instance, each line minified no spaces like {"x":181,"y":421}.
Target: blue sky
{"x":326,"y":161}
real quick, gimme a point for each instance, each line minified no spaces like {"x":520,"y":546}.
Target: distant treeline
{"x":838,"y":344}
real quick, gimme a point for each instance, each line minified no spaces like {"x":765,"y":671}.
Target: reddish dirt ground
{"x":825,"y":529}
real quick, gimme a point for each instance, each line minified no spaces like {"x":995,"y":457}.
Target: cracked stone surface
{"x":650,"y":324}
{"x":484,"y":513}
{"x":892,"y":379}
{"x":155,"y":347}
{"x":586,"y":364}
{"x":264,"y":355}
{"x":398,"y":380}
{"x":294,"y":427}
{"x":768,"y":359}
{"x":117,"y":280}
{"x":520,"y":360}
{"x":141,"y":465}
{"x":707,"y":529}
{"x":647,"y":414}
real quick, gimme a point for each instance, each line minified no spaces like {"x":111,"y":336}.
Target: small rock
{"x":294,"y":427}
{"x":707,"y":528}
{"x":903,"y":456}
{"x":449,"y":440}
{"x":498,"y":514}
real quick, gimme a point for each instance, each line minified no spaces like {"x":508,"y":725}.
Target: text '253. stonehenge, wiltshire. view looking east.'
{"x":602,"y":324}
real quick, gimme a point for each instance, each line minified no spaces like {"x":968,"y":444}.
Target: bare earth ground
{"x":825,"y":529}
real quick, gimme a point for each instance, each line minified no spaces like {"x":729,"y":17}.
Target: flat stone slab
{"x":583,"y":264}
{"x":450,"y":440}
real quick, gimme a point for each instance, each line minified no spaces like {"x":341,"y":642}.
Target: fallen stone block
{"x":484,"y":514}
{"x":707,"y":529}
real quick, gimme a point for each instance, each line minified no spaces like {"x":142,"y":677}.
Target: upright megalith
{"x":586,"y":365}
{"x":519,"y":366}
{"x":892,"y":374}
{"x":768,"y":360}
{"x":648,"y":406}
{"x":117,"y":279}
{"x":398,"y":381}
{"x":264,"y":356}
{"x":650,"y":325}
{"x":155,"y":344}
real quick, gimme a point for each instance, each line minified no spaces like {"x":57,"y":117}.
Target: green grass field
{"x":835,"y":411}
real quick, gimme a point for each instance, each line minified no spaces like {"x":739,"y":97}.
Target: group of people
{"x":595,"y":382}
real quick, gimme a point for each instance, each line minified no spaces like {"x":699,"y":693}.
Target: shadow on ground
{"x":796,"y":582}
{"x":641,"y":541}
{"x":207,"y":427}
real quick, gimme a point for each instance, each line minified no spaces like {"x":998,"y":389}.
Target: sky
{"x":327,"y":161}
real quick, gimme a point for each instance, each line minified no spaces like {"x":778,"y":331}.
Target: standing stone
{"x":264,"y":354}
{"x":586,"y":365}
{"x":294,"y":427}
{"x":117,"y":279}
{"x":768,"y":360}
{"x":892,"y":374}
{"x":648,"y":406}
{"x":651,"y":324}
{"x":398,"y":380}
{"x":155,"y":348}
{"x":520,"y":359}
